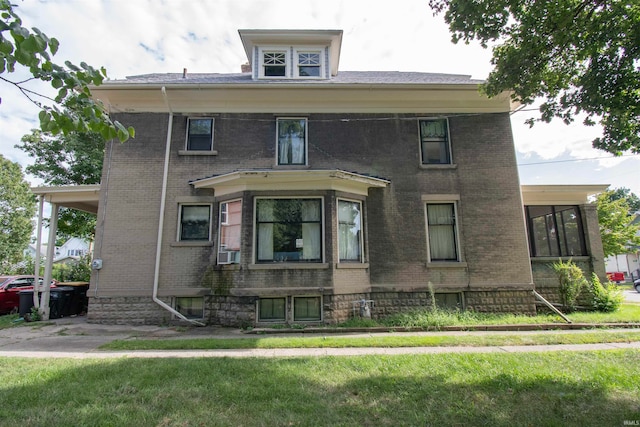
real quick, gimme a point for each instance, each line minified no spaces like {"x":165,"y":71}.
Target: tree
{"x":31,"y":51}
{"x":580,"y":56}
{"x":75,"y":158}
{"x":17,"y":207}
{"x":632,"y":200}
{"x":616,"y":228}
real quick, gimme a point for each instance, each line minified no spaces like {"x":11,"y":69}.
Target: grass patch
{"x":377,"y":340}
{"x":542,"y":389}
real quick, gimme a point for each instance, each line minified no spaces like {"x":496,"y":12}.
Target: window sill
{"x":197,"y":153}
{"x":556,"y":258}
{"x":445,"y":264}
{"x":432,"y":167}
{"x":353,"y":265}
{"x":188,"y":244}
{"x":291,"y":167}
{"x":289,"y":266}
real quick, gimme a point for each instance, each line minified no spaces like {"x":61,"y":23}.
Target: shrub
{"x":572,"y":282}
{"x":606,"y":297}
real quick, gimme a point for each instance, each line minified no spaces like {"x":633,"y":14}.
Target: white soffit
{"x":560,"y":194}
{"x":81,"y":197}
{"x":269,"y":180}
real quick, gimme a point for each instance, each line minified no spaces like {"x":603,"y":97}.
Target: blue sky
{"x":130,"y":37}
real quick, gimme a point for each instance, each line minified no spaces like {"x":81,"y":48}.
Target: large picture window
{"x":230,"y":224}
{"x":292,"y":141}
{"x":195,"y":222}
{"x":434,"y":142}
{"x":349,"y":231}
{"x":441,"y":229}
{"x":289,"y":230}
{"x":555,"y":231}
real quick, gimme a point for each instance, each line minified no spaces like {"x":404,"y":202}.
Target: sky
{"x":133,"y":37}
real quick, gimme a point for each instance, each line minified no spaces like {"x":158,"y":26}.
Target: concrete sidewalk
{"x":75,"y":338}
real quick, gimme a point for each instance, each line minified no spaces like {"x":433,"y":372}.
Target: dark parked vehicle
{"x":10,"y":287}
{"x":636,"y":284}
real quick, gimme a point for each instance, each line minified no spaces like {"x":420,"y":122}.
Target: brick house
{"x":291,"y":192}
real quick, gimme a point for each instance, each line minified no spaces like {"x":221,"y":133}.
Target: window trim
{"x":258,"y":311}
{"x":306,"y":142}
{"x":262,"y":50}
{"x":361,"y":237}
{"x":449,"y":163}
{"x":179,"y":231}
{"x":296,"y":62}
{"x":456,"y":230}
{"x":284,"y":264}
{"x":186,"y":143}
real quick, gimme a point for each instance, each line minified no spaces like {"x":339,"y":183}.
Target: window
{"x":307,"y":309}
{"x":195,"y":222}
{"x":190,"y":307}
{"x":230,"y":223}
{"x":272,"y":309}
{"x":289,"y":230}
{"x":308,"y":64}
{"x":441,"y":229}
{"x":434,"y":142}
{"x":274,"y":63}
{"x":200,"y":134}
{"x":555,"y":231}
{"x":349,"y":231}
{"x":292,"y":141}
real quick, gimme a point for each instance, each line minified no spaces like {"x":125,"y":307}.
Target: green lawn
{"x":538,"y":389}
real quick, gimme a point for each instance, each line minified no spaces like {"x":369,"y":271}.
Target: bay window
{"x":230,"y":223}
{"x":349,"y":231}
{"x":555,"y":231}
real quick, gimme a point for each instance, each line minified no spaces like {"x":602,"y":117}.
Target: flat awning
{"x":560,"y":194}
{"x":298,"y":180}
{"x":81,"y":197}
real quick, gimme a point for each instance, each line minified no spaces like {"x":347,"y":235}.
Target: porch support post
{"x":36,"y":286}
{"x":48,"y":268}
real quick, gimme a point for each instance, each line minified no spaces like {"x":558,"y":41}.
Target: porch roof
{"x":81,"y":197}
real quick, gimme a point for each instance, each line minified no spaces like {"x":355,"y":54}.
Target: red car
{"x":10,"y":287}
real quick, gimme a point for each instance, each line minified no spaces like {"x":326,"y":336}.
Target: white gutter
{"x":163,"y":197}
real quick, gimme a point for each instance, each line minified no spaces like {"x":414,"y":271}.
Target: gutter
{"x":163,"y":199}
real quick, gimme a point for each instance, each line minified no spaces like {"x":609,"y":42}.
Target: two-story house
{"x":292,"y":191}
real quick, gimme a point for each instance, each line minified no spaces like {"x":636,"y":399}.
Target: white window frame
{"x":361,"y":237}
{"x":255,"y":230}
{"x":186,"y":139}
{"x":235,"y":259}
{"x":274,"y":49}
{"x":296,"y":62}
{"x":456,"y":230}
{"x":448,"y":142}
{"x":293,"y":309}
{"x":180,"y":210}
{"x":306,"y":141}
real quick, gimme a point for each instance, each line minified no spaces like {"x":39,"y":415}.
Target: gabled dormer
{"x":292,"y":54}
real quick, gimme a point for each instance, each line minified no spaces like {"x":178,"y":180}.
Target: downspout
{"x":163,"y":197}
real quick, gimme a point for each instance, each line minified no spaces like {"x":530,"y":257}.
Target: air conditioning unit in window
{"x":225,"y":257}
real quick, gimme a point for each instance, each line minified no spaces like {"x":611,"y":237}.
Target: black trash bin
{"x":26,"y":302}
{"x":60,"y":302}
{"x":79,"y":301}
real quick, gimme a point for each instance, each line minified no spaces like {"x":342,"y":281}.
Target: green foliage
{"x":75,"y":158}
{"x":616,"y":228}
{"x":606,"y":297}
{"x":72,"y":109}
{"x":17,"y":207}
{"x":580,"y":56}
{"x":633,"y":201}
{"x":76,"y":271}
{"x":572,"y":282}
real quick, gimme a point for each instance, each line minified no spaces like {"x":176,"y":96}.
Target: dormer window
{"x":275,"y":64}
{"x":292,"y":62}
{"x":309,"y":64}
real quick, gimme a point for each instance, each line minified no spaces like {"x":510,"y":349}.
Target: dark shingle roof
{"x":343,"y":77}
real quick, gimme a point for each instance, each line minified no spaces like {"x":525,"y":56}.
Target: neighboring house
{"x":293,"y":192}
{"x":74,"y":248}
{"x":628,"y":263}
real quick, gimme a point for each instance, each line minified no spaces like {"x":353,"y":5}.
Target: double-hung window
{"x":199,"y":134}
{"x":555,"y":231}
{"x":289,"y":230}
{"x":274,"y":63}
{"x":309,"y":64}
{"x":349,"y":231}
{"x":230,"y":223}
{"x":292,"y":141}
{"x":434,"y":142}
{"x":442,"y":232}
{"x":195,"y":223}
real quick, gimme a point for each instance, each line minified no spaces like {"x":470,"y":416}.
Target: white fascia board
{"x":296,"y":180}
{"x":80,"y":197}
{"x":560,"y":194}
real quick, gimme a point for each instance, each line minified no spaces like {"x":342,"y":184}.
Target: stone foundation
{"x":126,"y":311}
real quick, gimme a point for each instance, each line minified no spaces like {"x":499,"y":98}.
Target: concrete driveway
{"x":631,"y":295}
